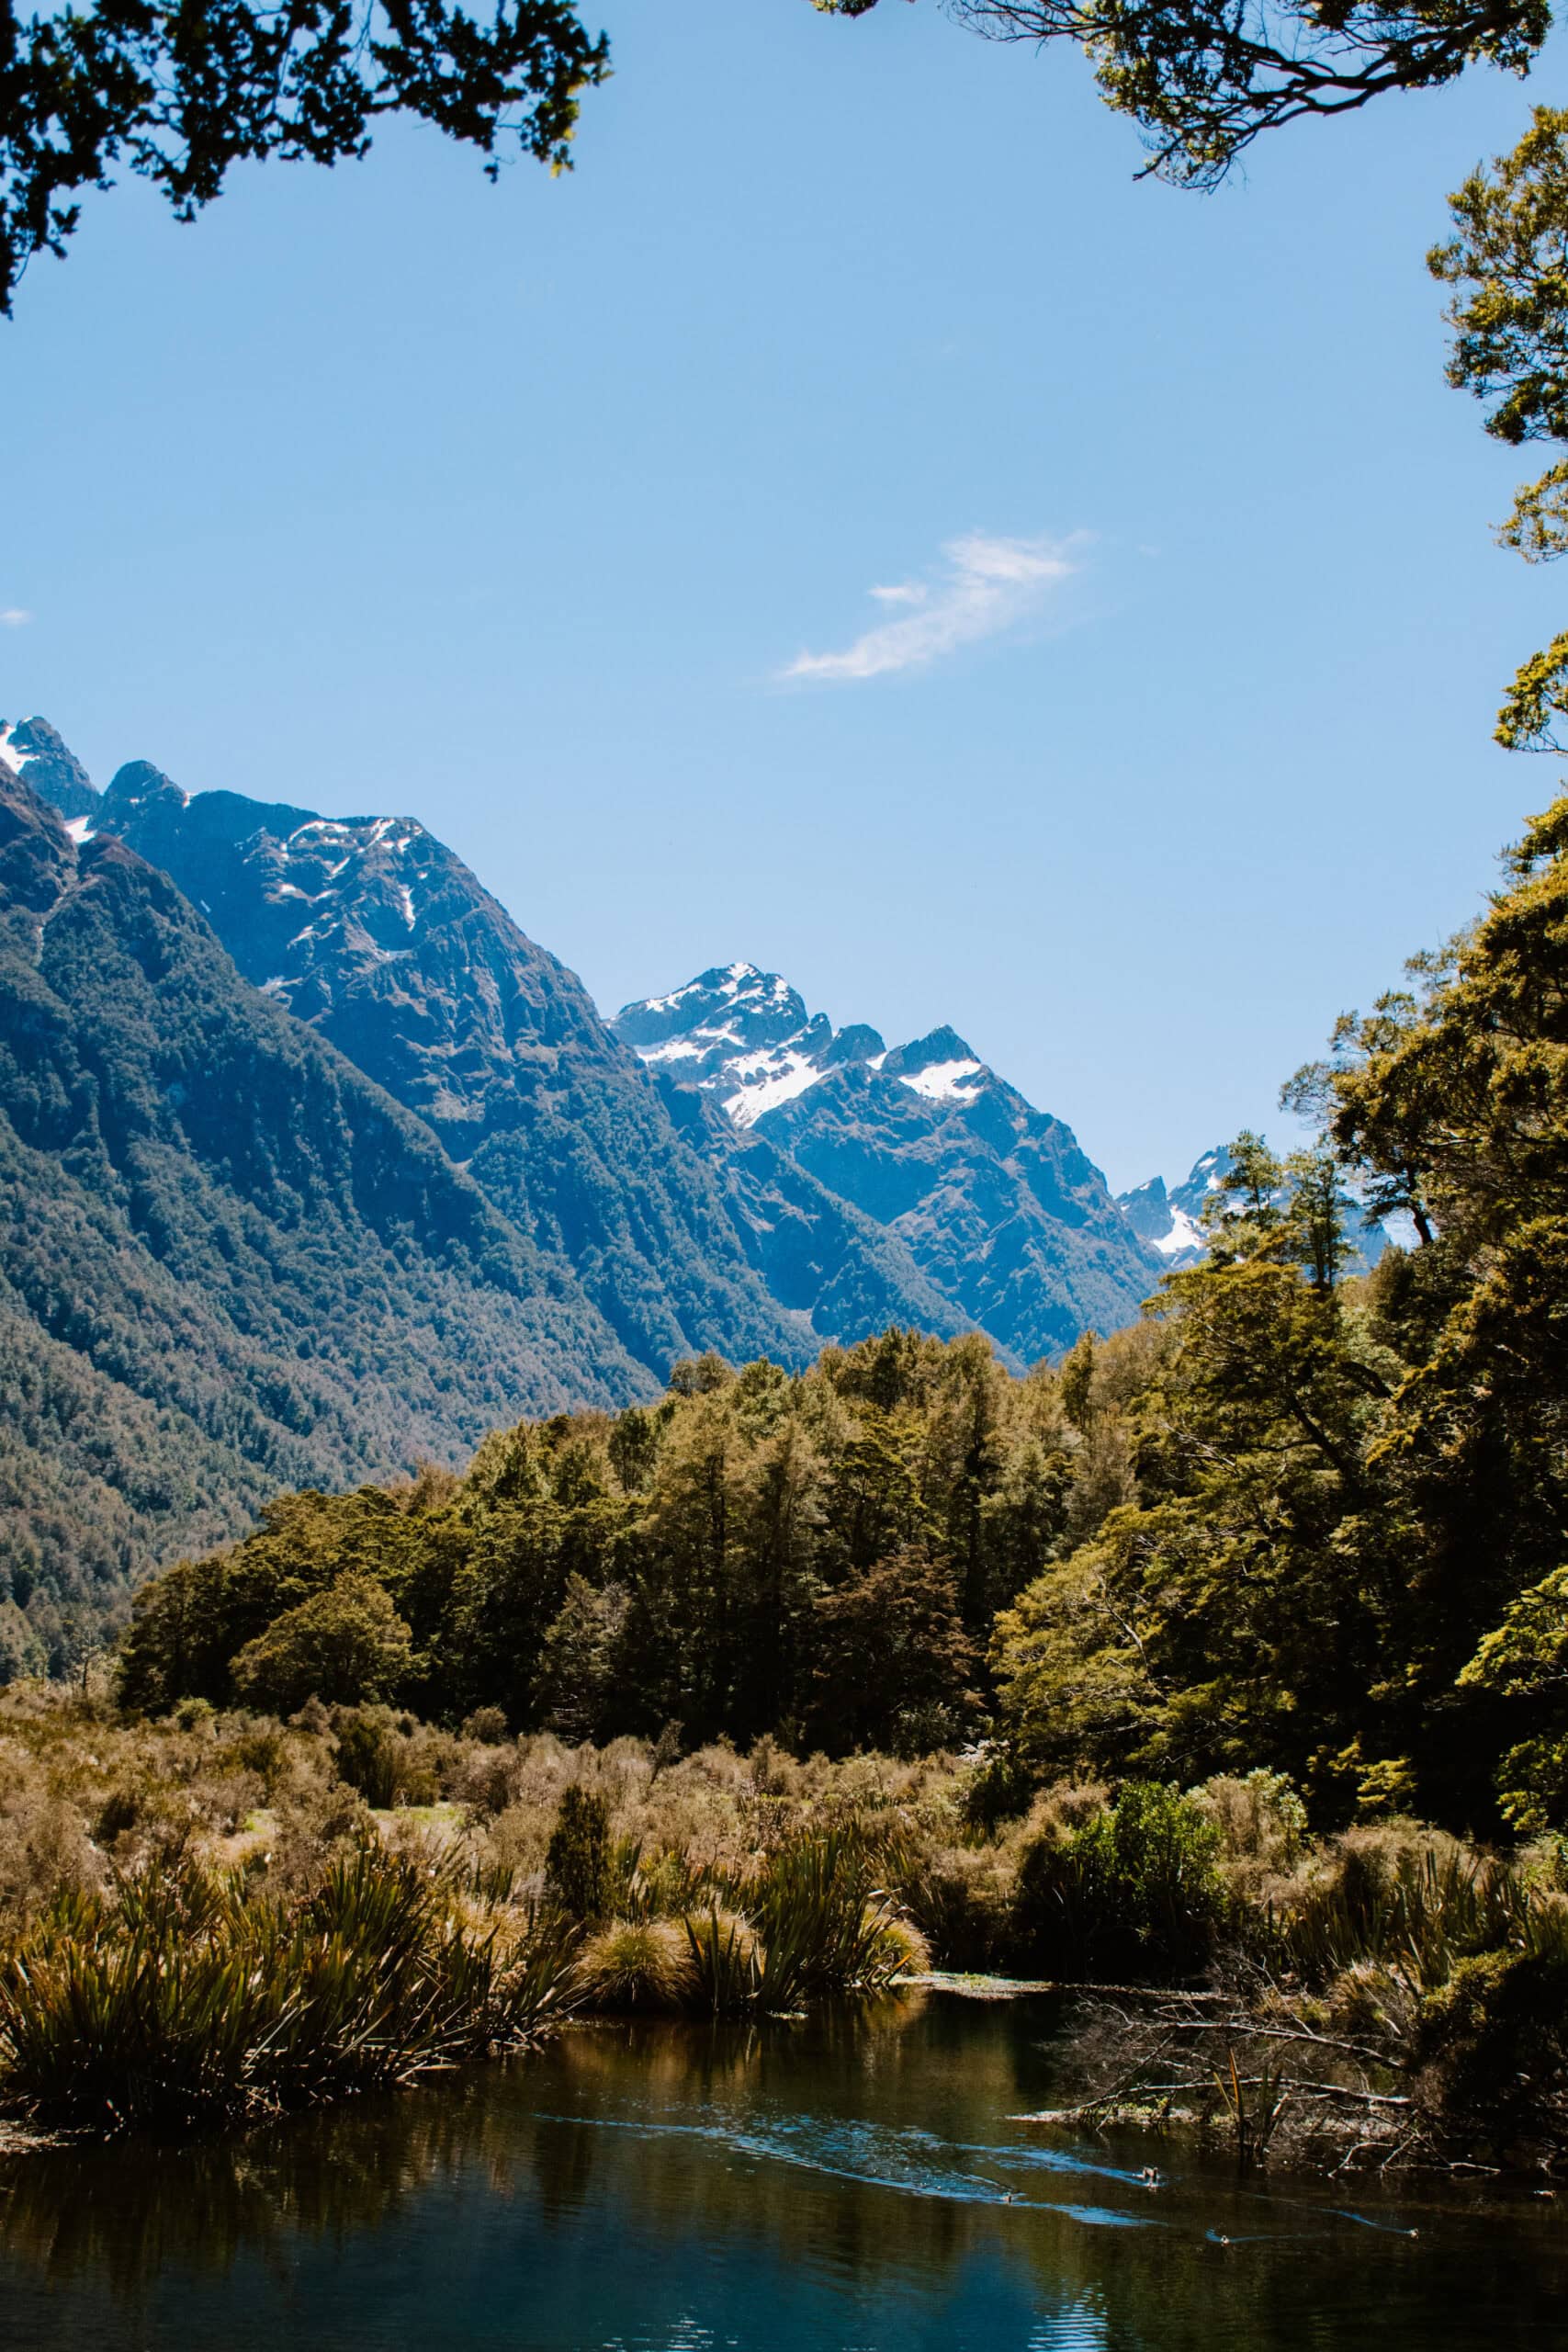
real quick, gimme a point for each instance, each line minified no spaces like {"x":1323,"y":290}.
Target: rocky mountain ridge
{"x":374,"y":933}
{"x":997,"y":1205}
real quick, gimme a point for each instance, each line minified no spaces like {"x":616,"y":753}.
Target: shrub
{"x":367,"y":1756}
{"x":579,"y":1863}
{"x":188,"y":1998}
{"x":488,"y":1725}
{"x":1492,"y":2046}
{"x":725,"y":1961}
{"x":961,"y":1899}
{"x":1133,"y":1891}
{"x":826,"y":1929}
{"x":1262,"y":1825}
{"x":1415,"y":1900}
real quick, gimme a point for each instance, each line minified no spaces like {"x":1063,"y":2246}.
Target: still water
{"x":841,"y":2185}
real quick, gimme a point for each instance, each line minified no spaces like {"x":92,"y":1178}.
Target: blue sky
{"x":847,"y":524}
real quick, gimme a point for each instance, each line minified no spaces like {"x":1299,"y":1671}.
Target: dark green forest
{"x":1300,"y":1516}
{"x":231,"y":1264}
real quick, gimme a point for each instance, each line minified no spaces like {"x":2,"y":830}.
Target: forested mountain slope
{"x":380,"y":937}
{"x":229,"y":1261}
{"x":910,"y":1194}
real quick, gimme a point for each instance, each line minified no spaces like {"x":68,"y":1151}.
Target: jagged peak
{"x":36,"y":750}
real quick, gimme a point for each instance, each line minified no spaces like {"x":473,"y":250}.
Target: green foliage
{"x":727,"y":1973}
{"x":580,"y":1864}
{"x":1204,"y":78}
{"x":635,"y":1966}
{"x":1135,"y":1891}
{"x":1421,"y":1908}
{"x":345,"y":1644}
{"x":1493,"y":2048}
{"x":1510,"y":320}
{"x":727,"y":1572}
{"x":826,"y":1929}
{"x":186,"y":2000}
{"x":178,"y":99}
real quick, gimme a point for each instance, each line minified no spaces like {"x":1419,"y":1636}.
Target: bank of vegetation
{"x":218,"y":1916}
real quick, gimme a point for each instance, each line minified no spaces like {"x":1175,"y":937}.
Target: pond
{"x":841,"y":2185}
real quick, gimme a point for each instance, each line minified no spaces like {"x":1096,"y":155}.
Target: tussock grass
{"x":636,"y":1965}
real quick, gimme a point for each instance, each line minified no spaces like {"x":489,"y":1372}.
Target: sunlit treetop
{"x":1202,"y":78}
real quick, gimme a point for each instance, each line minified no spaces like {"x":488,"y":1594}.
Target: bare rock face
{"x":32,"y":748}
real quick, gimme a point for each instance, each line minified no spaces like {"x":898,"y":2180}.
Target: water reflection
{"x":853,"y":2182}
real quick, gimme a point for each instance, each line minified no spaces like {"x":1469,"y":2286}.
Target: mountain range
{"x":313,"y":1165}
{"x":995,"y":1201}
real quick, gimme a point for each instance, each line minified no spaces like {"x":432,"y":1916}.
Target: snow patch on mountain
{"x":766,"y":1081}
{"x":1171,"y":1222}
{"x":947,"y":1082}
{"x":1184,"y":1240}
{"x":745,"y":1035}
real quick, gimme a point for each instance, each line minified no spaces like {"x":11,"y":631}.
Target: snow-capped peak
{"x":745,"y":1035}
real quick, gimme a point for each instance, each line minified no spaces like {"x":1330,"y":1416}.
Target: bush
{"x":826,"y":1930}
{"x":961,"y":1899}
{"x":725,"y":1960}
{"x":1133,"y":1892}
{"x":1492,"y":2050}
{"x":367,"y":1756}
{"x":579,"y":1863}
{"x":488,"y":1725}
{"x":1415,"y":1900}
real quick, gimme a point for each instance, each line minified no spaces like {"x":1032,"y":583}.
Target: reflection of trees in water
{"x":127,"y":2213}
{"x":854,"y":2091}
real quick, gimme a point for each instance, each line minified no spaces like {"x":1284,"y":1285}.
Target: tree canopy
{"x":177,"y":93}
{"x":1508,"y":265}
{"x":1204,"y":78}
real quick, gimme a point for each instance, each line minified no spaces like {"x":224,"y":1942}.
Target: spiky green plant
{"x":188,"y":1998}
{"x":1420,"y":1914}
{"x":827,"y":1929}
{"x":726,"y":1961}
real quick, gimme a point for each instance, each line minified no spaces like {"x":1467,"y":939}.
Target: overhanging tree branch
{"x":177,"y":91}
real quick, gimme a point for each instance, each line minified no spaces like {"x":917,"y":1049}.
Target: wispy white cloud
{"x":13,"y":617}
{"x":986,"y":585}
